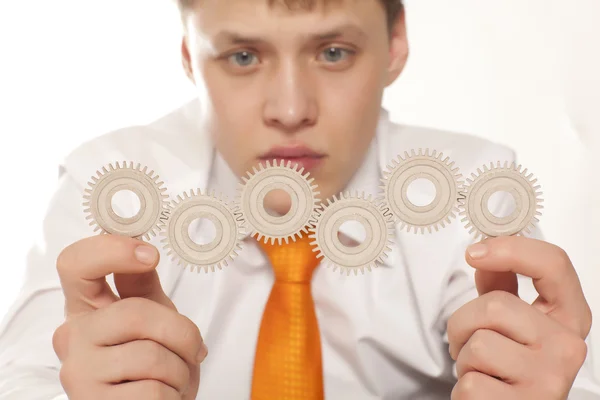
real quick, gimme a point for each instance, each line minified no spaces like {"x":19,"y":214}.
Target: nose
{"x":290,"y":103}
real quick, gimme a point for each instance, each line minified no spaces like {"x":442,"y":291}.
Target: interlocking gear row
{"x":246,"y":215}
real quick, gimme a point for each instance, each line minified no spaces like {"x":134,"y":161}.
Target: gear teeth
{"x":265,"y":229}
{"x":473,"y":214}
{"x":340,"y":206}
{"x":423,"y":161}
{"x":466,"y":187}
{"x":181,"y":253}
{"x":128,"y":176}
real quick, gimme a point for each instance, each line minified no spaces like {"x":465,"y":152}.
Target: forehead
{"x":284,"y":15}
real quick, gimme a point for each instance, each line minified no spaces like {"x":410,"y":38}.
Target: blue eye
{"x":242,"y":58}
{"x":334,"y":54}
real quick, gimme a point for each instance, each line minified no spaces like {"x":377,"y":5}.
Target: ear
{"x":398,"y":48}
{"x":186,"y":61}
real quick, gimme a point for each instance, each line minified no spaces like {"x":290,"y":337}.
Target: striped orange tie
{"x":288,"y":365}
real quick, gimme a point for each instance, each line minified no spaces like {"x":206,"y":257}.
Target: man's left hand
{"x":506,"y":348}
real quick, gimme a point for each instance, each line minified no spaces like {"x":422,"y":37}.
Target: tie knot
{"x":292,"y":262}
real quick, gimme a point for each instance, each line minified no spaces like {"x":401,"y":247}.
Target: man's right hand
{"x":132,"y":346}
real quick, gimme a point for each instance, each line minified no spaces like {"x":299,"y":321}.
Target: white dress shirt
{"x":383,"y":333}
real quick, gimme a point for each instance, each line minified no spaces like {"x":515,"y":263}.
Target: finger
{"x":146,"y":285}
{"x":498,"y":311}
{"x":194,"y":383}
{"x":60,"y":341}
{"x":554,"y":277}
{"x":148,"y":389}
{"x":140,"y":360}
{"x":138,"y":319}
{"x":84,"y":265}
{"x":489,"y":281}
{"x":475,"y":385}
{"x":495,"y":355}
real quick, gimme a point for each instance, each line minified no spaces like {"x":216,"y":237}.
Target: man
{"x":300,"y":82}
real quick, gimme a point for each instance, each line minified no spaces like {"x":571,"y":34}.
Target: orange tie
{"x":287,"y":365}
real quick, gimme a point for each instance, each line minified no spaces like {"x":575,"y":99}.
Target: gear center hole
{"x":202,"y":231}
{"x":126,"y":204}
{"x":357,"y":230}
{"x":501,"y":197}
{"x":277,"y":203}
{"x":421,"y":192}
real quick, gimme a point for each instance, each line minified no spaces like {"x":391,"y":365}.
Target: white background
{"x":521,"y":72}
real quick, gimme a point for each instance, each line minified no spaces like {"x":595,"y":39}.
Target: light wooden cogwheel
{"x":152,"y":214}
{"x":440,"y":172}
{"x":247,"y":213}
{"x":501,"y":178}
{"x":371,"y":252}
{"x":224,"y":247}
{"x":263,"y":180}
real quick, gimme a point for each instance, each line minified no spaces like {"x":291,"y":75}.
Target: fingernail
{"x":202,"y":353}
{"x":477,"y":251}
{"x":145,"y":254}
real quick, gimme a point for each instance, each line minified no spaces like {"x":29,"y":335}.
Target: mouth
{"x":303,"y":156}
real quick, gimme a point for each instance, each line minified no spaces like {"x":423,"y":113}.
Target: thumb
{"x":145,"y":285}
{"x":192,"y":391}
{"x":84,"y":265}
{"x":488,"y":281}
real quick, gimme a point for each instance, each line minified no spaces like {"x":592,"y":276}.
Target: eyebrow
{"x":341,"y":31}
{"x":232,"y":37}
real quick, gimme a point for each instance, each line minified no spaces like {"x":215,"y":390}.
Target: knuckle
{"x":466,"y":387}
{"x":133,"y":309}
{"x":462,"y":364}
{"x":496,"y":305}
{"x":477,"y":342}
{"x":451,"y":327}
{"x":473,"y":351}
{"x":587,"y":320}
{"x":501,"y":295}
{"x":190,"y":333}
{"x":60,"y":339}
{"x":63,"y":260}
{"x":69,"y":375}
{"x":562,"y":257}
{"x":134,"y":303}
{"x":574,"y":351}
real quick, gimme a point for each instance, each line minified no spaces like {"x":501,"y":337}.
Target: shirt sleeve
{"x":29,"y":368}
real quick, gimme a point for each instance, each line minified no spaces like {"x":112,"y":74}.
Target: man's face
{"x":298,"y":85}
